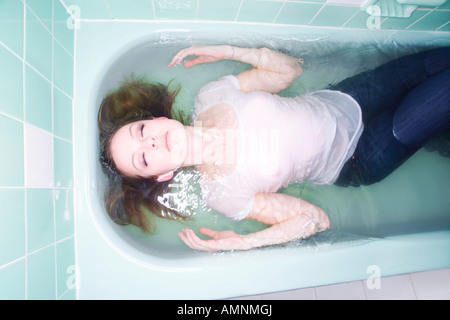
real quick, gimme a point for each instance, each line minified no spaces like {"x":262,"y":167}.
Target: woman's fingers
{"x":176,"y":59}
{"x":208,"y":232}
{"x":191,"y":240}
{"x":221,"y":240}
{"x":194,"y":62}
{"x":179,"y":57}
{"x":189,"y":237}
{"x":198,"y":243}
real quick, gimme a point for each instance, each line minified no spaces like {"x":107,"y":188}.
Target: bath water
{"x":415,"y":198}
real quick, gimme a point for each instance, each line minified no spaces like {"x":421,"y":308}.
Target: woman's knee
{"x":424,"y":112}
{"x":437,"y":60}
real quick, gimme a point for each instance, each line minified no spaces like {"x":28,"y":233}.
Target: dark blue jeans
{"x":404,"y":103}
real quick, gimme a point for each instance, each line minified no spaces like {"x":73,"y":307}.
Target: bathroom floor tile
{"x":300,"y":294}
{"x":392,"y":288}
{"x":432,"y":285}
{"x":342,"y":291}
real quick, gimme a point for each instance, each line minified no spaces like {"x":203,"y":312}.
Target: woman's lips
{"x":167,"y":141}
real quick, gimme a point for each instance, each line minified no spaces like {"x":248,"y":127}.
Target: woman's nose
{"x":154,"y":143}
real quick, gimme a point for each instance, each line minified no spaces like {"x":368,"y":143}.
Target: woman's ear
{"x":165,"y":177}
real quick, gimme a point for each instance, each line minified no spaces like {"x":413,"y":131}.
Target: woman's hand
{"x":205,"y":54}
{"x":221,"y":240}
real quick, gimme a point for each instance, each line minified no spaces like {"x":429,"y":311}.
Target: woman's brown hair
{"x":129,"y":200}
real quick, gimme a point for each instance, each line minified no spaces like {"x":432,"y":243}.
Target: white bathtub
{"x":118,"y":264}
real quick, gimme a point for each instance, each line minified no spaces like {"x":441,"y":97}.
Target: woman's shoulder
{"x":220,"y":115}
{"x":216,"y":99}
{"x":217,"y":89}
{"x":228,"y":81}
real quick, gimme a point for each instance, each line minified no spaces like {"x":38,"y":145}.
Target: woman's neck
{"x":202,"y":142}
{"x":208,"y":145}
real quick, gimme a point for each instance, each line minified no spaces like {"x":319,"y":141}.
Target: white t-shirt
{"x":285,"y":140}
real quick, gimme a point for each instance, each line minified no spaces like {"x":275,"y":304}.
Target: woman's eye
{"x":143,"y":160}
{"x":142,"y":130}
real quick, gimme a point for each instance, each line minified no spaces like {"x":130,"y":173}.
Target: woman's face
{"x":149,"y":148}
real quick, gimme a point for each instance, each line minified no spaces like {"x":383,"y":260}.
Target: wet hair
{"x":134,"y":200}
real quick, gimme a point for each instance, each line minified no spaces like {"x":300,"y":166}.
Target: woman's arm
{"x":291,"y":219}
{"x":272,"y":71}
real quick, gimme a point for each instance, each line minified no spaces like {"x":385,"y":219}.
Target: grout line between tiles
{"x":109,"y":9}
{"x":437,"y":29}
{"x":153,"y":8}
{"x":349,"y":19}
{"x":238,"y":11}
{"x":317,"y":13}
{"x":196,"y":10}
{"x":426,"y":14}
{"x":49,"y":31}
{"x":25,"y":63}
{"x":412,"y":285}
{"x":37,"y":250}
{"x":278,"y":13}
{"x":24,"y":123}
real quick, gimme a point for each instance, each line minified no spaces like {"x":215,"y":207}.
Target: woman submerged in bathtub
{"x":247,"y":142}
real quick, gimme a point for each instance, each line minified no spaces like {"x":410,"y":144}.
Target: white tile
{"x":38,"y":157}
{"x":432,"y":285}
{"x":300,"y":294}
{"x":391,"y":288}
{"x":343,"y":291}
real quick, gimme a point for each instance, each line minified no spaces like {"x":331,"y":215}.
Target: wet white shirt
{"x":285,"y":140}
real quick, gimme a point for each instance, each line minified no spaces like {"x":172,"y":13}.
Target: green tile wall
{"x":37,"y":245}
{"x":309,"y":13}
